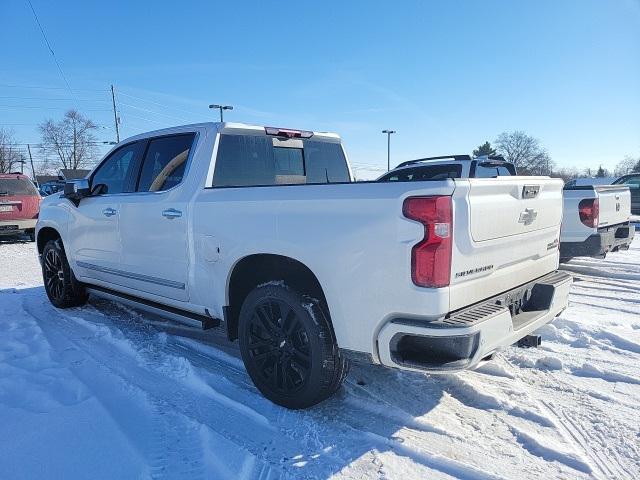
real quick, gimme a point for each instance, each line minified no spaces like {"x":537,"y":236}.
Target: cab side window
{"x":165,"y":162}
{"x":117,"y":174}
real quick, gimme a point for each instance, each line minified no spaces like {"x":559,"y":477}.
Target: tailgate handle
{"x":530,"y":191}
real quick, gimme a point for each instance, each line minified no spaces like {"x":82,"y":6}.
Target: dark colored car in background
{"x":632,"y":181}
{"x":49,"y":188}
{"x":19,"y":205}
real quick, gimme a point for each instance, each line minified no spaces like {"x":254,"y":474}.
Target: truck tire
{"x":288,"y":347}
{"x":61,"y":285}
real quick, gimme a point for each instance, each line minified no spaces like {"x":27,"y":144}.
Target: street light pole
{"x":388,"y":132}
{"x":221,"y":108}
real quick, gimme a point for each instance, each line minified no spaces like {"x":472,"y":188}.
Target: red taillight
{"x":287,"y":132}
{"x":589,"y":209}
{"x":431,"y":258}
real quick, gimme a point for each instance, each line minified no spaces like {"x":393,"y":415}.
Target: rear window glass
{"x":422,"y":173}
{"x":253,"y":160}
{"x":492,"y":171}
{"x":16,"y":186}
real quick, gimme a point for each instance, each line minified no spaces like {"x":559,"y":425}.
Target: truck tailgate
{"x":511,"y":235}
{"x":615,"y":204}
{"x":505,"y":206}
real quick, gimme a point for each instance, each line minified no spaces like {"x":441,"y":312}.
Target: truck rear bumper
{"x":465,"y":337}
{"x":12,"y":227}
{"x":608,"y":239}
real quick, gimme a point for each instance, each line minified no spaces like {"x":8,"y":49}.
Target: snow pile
{"x":105,"y":391}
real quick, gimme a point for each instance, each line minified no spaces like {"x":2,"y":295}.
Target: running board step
{"x":192,"y":319}
{"x":530,"y":341}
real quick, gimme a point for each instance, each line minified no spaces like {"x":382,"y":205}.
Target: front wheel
{"x":61,"y":285}
{"x":288,"y":347}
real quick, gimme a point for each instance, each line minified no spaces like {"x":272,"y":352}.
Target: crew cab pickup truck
{"x":596,"y":221}
{"x":263,"y":231}
{"x":596,"y":217}
{"x":450,"y":166}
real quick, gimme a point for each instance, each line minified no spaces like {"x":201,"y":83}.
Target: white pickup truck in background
{"x":263,"y":230}
{"x":595,"y":221}
{"x":596,"y":218}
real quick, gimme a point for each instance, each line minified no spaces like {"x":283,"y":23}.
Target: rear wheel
{"x":61,"y":285}
{"x":288,"y":348}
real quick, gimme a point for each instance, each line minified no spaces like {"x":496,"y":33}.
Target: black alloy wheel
{"x":288,"y":346}
{"x":279,"y":346}
{"x":53,"y":274}
{"x":60,"y":284}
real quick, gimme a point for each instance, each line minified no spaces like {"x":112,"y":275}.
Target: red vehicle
{"x":19,"y":205}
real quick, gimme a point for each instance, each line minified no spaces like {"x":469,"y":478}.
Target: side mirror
{"x":77,"y":189}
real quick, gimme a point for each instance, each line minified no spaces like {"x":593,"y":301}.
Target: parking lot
{"x":158,"y":399}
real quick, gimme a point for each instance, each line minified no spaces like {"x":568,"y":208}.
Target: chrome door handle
{"x":171,"y":213}
{"x":108,"y":212}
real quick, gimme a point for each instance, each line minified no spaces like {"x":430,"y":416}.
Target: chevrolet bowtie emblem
{"x":528,"y":216}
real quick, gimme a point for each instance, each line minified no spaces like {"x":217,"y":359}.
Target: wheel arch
{"x":257,"y":269}
{"x":44,"y":235}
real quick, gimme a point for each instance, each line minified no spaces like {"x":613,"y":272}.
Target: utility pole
{"x":388,"y":132}
{"x":33,"y":170}
{"x":221,"y":108}
{"x":115,"y":114}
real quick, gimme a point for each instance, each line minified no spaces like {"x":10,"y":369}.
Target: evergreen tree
{"x":484,"y":149}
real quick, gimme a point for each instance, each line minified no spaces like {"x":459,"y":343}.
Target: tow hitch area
{"x":530,"y":341}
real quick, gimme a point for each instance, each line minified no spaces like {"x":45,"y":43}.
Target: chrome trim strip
{"x":133,"y":276}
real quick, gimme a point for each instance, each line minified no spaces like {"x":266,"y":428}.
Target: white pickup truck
{"x":262,"y":231}
{"x":596,"y":221}
{"x":596,"y":218}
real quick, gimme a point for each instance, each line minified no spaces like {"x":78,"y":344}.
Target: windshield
{"x":16,"y":186}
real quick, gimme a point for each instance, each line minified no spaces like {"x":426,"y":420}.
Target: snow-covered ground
{"x":107,"y":392}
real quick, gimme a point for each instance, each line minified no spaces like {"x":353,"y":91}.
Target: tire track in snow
{"x":347,"y":419}
{"x":604,"y":468}
{"x":574,"y":432}
{"x":113,"y":393}
{"x":335,"y":429}
{"x":162,"y":392}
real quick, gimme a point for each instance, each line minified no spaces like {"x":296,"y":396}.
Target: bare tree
{"x":71,"y":140}
{"x":567,"y":174}
{"x":628,"y":165}
{"x":525,"y":152}
{"x":11,"y":159}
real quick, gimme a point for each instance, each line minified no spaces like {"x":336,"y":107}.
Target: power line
{"x":160,"y":104}
{"x":49,"y":47}
{"x":54,"y":108}
{"x":58,"y":98}
{"x":154,"y":112}
{"x":145,"y":119}
{"x":41,"y":87}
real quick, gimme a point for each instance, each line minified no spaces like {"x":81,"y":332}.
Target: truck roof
{"x":456,"y":158}
{"x":234,"y":128}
